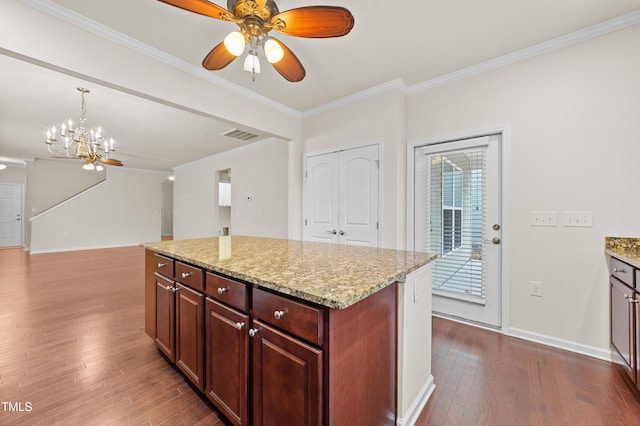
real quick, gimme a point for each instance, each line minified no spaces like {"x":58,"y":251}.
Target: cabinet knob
{"x":239,"y":325}
{"x":622,"y":271}
{"x":278,"y":314}
{"x":253,"y":331}
{"x":630,"y":299}
{"x":186,"y":274}
{"x":161,"y":265}
{"x":222,"y":290}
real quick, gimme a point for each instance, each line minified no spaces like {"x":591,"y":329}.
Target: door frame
{"x":505,"y":132}
{"x":22,"y":218}
{"x":305,"y":196}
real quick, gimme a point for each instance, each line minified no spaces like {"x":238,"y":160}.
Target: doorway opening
{"x":223,"y":177}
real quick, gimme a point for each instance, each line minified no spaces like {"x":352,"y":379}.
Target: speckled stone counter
{"x":331,"y":275}
{"x":625,"y":249}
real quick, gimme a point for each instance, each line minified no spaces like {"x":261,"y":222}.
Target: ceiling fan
{"x":255,"y":19}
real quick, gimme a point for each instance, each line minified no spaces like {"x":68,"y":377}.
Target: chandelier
{"x":82,"y":143}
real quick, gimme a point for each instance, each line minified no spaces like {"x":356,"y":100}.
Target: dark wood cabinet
{"x":265,"y":358}
{"x":165,"y":315}
{"x":287,"y":379}
{"x":227,"y":353}
{"x":625,"y":317}
{"x":622,"y":325}
{"x":189,"y":354}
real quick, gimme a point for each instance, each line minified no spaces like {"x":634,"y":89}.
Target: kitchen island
{"x":295,"y":332}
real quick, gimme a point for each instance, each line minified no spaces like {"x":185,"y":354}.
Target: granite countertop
{"x":625,"y":249}
{"x":331,"y":275}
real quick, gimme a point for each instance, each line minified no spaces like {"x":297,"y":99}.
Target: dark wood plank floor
{"x":486,"y":378}
{"x":72,"y":344}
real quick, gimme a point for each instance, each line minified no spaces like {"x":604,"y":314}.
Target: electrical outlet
{"x":543,"y":218}
{"x":536,"y":288}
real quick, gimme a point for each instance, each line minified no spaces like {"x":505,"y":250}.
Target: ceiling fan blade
{"x":202,"y":7}
{"x":111,"y":162}
{"x":218,"y":58}
{"x":289,"y":66}
{"x":314,"y":22}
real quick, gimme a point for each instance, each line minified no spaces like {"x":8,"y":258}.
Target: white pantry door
{"x":341,"y":197}
{"x":458,"y":216}
{"x":10,"y":215}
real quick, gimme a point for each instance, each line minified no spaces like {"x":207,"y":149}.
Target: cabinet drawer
{"x":189,"y":276}
{"x":622,"y":271}
{"x":163,"y":265}
{"x":294,"y":317}
{"x":227,"y":291}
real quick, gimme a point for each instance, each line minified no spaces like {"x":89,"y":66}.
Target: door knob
{"x":342,"y":233}
{"x":333,"y":232}
{"x":496,"y":227}
{"x":495,"y":240}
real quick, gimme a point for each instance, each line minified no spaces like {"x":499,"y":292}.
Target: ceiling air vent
{"x":239,"y":134}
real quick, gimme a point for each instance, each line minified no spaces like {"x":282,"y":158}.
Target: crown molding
{"x":396,"y":84}
{"x":557,"y":43}
{"x":81,"y":21}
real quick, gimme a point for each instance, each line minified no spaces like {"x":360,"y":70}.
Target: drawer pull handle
{"x":279,"y":314}
{"x":622,"y":271}
{"x":253,"y":331}
{"x":222,"y":290}
{"x":161,"y":265}
{"x":173,"y":289}
{"x":239,"y":325}
{"x":186,"y":274}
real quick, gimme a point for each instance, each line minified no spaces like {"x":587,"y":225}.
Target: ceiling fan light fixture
{"x":273,"y":51}
{"x":252,"y":63}
{"x":3,"y":166}
{"x":89,"y":166}
{"x":234,"y":43}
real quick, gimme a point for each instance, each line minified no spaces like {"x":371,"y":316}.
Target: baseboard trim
{"x":579,"y":348}
{"x":45,"y":251}
{"x":418,"y":404}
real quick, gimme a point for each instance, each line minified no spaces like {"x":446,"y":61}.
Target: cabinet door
{"x":227,"y":352}
{"x":165,"y":316}
{"x":287,"y":379}
{"x":622,"y":327}
{"x":190,"y":334}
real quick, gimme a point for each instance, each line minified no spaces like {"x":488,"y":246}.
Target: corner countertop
{"x":625,"y":249}
{"x":331,"y":275}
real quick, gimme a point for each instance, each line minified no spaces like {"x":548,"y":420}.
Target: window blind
{"x":456,"y":210}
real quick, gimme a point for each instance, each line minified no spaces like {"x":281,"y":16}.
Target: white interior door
{"x":322,"y":198}
{"x":342,"y":198}
{"x":458,"y":216}
{"x":358,"y":212}
{"x":10,"y":215}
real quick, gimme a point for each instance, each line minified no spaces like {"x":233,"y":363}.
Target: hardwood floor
{"x":72,"y":346}
{"x":486,"y":378}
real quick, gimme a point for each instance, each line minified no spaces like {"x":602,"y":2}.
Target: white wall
{"x":124,"y":210}
{"x":259,"y":171}
{"x":14,"y":174}
{"x":575,"y":144}
{"x":377,"y":119}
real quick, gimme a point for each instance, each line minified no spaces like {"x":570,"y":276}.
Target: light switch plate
{"x":578,"y":219}
{"x":543,"y":218}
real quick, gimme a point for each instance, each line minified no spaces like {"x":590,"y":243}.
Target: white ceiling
{"x":412,"y":40}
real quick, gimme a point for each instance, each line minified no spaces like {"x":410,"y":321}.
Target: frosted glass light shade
{"x":252,"y":64}
{"x":273,"y":51}
{"x":234,"y":43}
